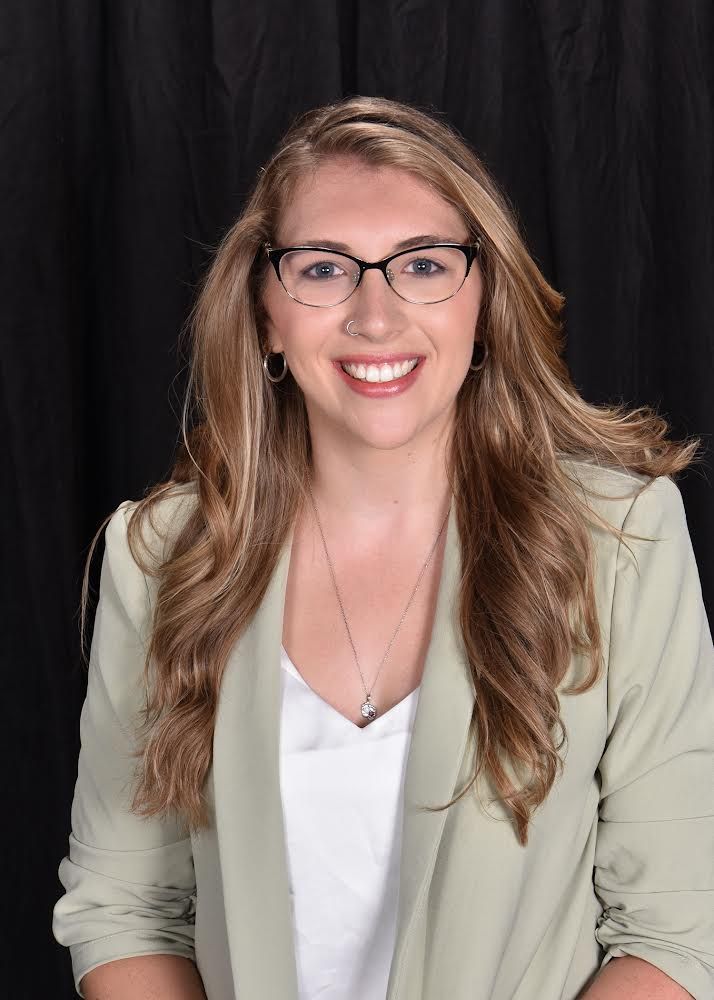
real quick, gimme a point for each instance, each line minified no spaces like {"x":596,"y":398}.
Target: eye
{"x":426,"y":266}
{"x":324,"y":270}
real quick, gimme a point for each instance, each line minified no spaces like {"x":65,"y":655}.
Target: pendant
{"x":369,"y":711}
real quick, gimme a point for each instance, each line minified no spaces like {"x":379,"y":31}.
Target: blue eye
{"x":426,"y":260}
{"x":324,"y":265}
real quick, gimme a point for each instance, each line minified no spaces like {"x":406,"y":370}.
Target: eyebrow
{"x":411,"y":241}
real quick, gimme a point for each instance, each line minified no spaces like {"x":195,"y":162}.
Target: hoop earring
{"x":482,"y":362}
{"x":266,"y":360}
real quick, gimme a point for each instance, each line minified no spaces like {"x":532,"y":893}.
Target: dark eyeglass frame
{"x":470,"y":251}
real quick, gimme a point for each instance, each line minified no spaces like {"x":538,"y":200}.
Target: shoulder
{"x":160,"y":524}
{"x":627,"y":499}
{"x":123,"y":578}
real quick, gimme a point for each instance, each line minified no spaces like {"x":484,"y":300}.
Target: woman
{"x":428,"y":675}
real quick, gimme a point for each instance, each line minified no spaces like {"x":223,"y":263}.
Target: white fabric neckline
{"x":393,"y":720}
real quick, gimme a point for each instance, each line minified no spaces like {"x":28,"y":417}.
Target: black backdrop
{"x":130,"y":132}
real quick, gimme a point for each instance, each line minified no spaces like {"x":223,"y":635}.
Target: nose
{"x":374,"y":288}
{"x":376,"y":304}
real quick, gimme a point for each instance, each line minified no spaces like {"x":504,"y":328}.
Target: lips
{"x":380,"y":373}
{"x":381,"y":390}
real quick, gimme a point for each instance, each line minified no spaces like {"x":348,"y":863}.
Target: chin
{"x":385,"y":439}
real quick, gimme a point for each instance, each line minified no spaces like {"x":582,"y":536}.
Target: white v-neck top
{"x":342,"y":795}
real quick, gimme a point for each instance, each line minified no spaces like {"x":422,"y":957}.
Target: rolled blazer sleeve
{"x":654,"y":856}
{"x":129,"y":881}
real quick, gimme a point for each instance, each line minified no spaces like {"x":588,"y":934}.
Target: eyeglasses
{"x":319,"y":276}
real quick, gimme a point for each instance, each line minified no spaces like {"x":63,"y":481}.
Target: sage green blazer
{"x":620,"y":858}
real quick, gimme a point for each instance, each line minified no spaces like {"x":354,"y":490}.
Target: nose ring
{"x":356,"y":332}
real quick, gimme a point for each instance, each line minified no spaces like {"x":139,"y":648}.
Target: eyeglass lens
{"x":325,"y":278}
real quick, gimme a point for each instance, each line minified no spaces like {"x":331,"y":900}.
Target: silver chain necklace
{"x":368,"y":708}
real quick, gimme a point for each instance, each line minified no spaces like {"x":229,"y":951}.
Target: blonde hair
{"x":527,"y":589}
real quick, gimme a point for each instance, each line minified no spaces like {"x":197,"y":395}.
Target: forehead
{"x":351,"y":201}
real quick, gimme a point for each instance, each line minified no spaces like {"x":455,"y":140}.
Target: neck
{"x":371,"y":492}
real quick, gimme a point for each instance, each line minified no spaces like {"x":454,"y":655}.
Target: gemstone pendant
{"x":369,"y":711}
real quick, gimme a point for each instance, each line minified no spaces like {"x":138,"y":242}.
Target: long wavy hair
{"x":527,"y":600}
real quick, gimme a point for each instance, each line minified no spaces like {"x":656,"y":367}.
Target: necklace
{"x":368,"y":708}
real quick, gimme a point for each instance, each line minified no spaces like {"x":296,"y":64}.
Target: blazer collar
{"x":246,"y":789}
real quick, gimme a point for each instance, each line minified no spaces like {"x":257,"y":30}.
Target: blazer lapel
{"x":248,"y":806}
{"x":436,"y":751}
{"x":246,"y":788}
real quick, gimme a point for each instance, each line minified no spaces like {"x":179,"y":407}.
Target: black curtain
{"x":130,"y":132}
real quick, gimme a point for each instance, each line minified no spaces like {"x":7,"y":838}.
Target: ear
{"x":270,"y":339}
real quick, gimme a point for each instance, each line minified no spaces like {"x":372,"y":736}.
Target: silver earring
{"x":266,"y":360}
{"x":356,"y":333}
{"x":482,"y":362}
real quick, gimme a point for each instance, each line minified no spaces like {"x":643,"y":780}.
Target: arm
{"x":653,"y":868}
{"x":628,"y":978}
{"x":129,"y":880}
{"x":161,"y":977}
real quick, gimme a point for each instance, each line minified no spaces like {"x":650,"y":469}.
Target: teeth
{"x":381,"y":373}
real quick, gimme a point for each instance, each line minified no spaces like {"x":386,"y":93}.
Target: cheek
{"x":458,"y":332}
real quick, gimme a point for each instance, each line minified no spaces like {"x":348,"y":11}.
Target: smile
{"x":380,"y":373}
